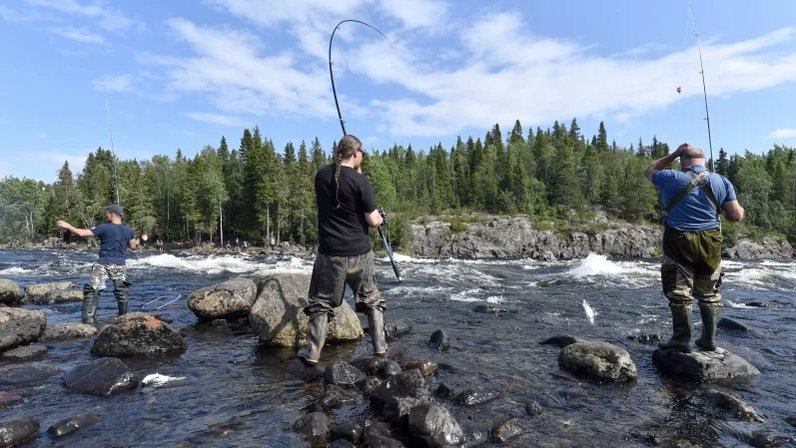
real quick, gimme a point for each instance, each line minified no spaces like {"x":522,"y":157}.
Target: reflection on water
{"x":238,"y":392}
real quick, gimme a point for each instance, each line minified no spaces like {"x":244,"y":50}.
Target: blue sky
{"x":180,"y":74}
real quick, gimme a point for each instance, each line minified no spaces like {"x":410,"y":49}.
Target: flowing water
{"x":238,"y":392}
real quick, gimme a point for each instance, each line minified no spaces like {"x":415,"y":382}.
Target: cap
{"x":693,"y":152}
{"x":115,"y":209}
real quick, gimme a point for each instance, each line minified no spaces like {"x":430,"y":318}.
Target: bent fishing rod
{"x":704,"y":89}
{"x":382,"y":230}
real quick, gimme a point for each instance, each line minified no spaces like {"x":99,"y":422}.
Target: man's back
{"x":695,"y":212}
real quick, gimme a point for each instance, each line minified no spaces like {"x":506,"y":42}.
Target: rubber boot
{"x":681,"y":329}
{"x":710,"y":317}
{"x":316,"y":336}
{"x":376,"y":329}
{"x":120,"y":290}
{"x":90,"y":302}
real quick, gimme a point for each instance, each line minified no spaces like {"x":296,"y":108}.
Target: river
{"x":238,"y":393}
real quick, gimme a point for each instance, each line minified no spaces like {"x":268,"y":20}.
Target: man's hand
{"x":681,"y":149}
{"x":63,"y":224}
{"x":383,"y":216}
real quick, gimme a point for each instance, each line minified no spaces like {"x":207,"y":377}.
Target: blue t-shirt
{"x":113,"y":242}
{"x":695,"y":212}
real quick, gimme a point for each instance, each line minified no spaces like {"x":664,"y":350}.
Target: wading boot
{"x":710,"y":316}
{"x":376,"y":329}
{"x":316,"y":336}
{"x":90,"y":301}
{"x":120,"y":290}
{"x":681,"y":329}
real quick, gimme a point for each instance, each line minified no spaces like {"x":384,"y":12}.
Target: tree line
{"x":254,"y":192}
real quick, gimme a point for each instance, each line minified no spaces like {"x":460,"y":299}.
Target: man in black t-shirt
{"x":346,"y":212}
{"x":115,"y":239}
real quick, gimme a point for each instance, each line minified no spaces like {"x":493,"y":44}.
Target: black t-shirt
{"x":343,"y":231}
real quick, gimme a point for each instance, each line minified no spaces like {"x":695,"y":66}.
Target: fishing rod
{"x":113,"y":151}
{"x":382,"y":230}
{"x":704,"y":89}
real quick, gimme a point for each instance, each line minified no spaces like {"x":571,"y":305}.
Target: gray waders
{"x":120,"y":290}
{"x":681,"y":329}
{"x":316,"y":337}
{"x":710,"y":316}
{"x":376,"y":329}
{"x":90,"y":301}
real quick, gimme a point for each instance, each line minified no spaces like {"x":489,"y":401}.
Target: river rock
{"x":598,"y":360}
{"x":138,"y":334}
{"x":67,"y":330}
{"x":278,"y":316}
{"x":560,"y":341}
{"x":315,"y":427}
{"x":726,"y":323}
{"x":507,"y":430}
{"x":335,"y":397}
{"x":19,"y":326}
{"x":488,"y":308}
{"x":17,"y":431}
{"x":791,"y":420}
{"x":10,"y":292}
{"x":9,"y":398}
{"x":703,"y":367}
{"x":58,"y":296}
{"x":439,"y":340}
{"x":378,"y":435}
{"x":342,"y":374}
{"x":427,"y":368}
{"x":71,"y":424}
{"x":25,"y":352}
{"x":351,"y":432}
{"x":37,"y":291}
{"x":740,"y":409}
{"x":768,"y":247}
{"x":226,"y":300}
{"x":27,"y":373}
{"x":398,"y":394}
{"x":471,"y":397}
{"x":395,"y":328}
{"x":342,"y":443}
{"x":103,"y":376}
{"x":433,"y":426}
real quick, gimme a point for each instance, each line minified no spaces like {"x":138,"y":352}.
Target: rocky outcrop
{"x":515,"y":237}
{"x":703,"y":367}
{"x":138,"y":334}
{"x":598,"y":360}
{"x":103,"y":376}
{"x":226,"y":300}
{"x":20,"y":326}
{"x":10,"y":292}
{"x":278,"y":317}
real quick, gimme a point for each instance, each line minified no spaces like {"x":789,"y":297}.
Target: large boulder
{"x":67,"y":330}
{"x":17,"y":431}
{"x":278,"y":317}
{"x":703,"y":367}
{"x":227,"y":300}
{"x":20,"y":326}
{"x":598,"y":360}
{"x":37,"y":291}
{"x":103,"y":376}
{"x":10,"y":292}
{"x":138,"y":334}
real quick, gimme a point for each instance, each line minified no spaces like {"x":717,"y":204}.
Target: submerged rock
{"x":488,"y":308}
{"x":17,"y":431}
{"x":103,"y":376}
{"x":395,"y":328}
{"x":278,"y":314}
{"x":25,"y":352}
{"x":10,"y":293}
{"x":433,"y":425}
{"x":27,"y":373}
{"x":19,"y":326}
{"x":71,"y":424}
{"x":9,"y":398}
{"x":138,"y":334}
{"x":729,"y":324}
{"x":226,"y":300}
{"x":439,"y":340}
{"x":343,"y":374}
{"x":506,"y":431}
{"x":733,"y":404}
{"x":68,"y":330}
{"x":703,"y":367}
{"x":427,"y":368}
{"x":560,"y":341}
{"x":315,"y":427}
{"x":598,"y":360}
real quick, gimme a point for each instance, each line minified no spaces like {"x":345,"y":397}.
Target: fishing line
{"x":113,"y":152}
{"x":143,"y":307}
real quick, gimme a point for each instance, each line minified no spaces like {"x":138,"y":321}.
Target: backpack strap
{"x":697,"y":180}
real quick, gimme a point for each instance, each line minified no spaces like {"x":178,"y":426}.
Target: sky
{"x":147,"y":78}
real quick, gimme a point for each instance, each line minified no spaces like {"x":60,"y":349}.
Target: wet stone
{"x":474,"y":397}
{"x":343,"y":374}
{"x":443,"y":392}
{"x":67,"y":330}
{"x":341,"y":443}
{"x":560,"y":341}
{"x":506,"y":431}
{"x":138,"y":334}
{"x":533,"y":408}
{"x":434,"y":426}
{"x":20,"y":326}
{"x":351,"y":432}
{"x":488,"y":308}
{"x":369,"y":385}
{"x":597,"y":360}
{"x":371,"y":365}
{"x":303,"y":371}
{"x":40,"y":290}
{"x":72,"y":424}
{"x":791,"y":420}
{"x":647,"y":339}
{"x":726,"y":323}
{"x":103,"y":376}
{"x":769,"y":439}
{"x":10,"y":292}
{"x":314,"y":427}
{"x":389,"y":369}
{"x":9,"y":398}
{"x":439,"y":340}
{"x":17,"y":431}
{"x":27,"y":373}
{"x":740,"y":409}
{"x":395,"y":328}
{"x":427,"y":368}
{"x":25,"y":352}
{"x":703,"y":367}
{"x":335,"y":397}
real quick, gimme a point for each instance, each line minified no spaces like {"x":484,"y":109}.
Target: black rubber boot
{"x":316,"y":335}
{"x":120,"y":290}
{"x":376,"y":329}
{"x":710,"y":317}
{"x":681,"y":329}
{"x":90,"y":302}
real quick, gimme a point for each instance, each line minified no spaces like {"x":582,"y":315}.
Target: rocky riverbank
{"x":516,"y":237}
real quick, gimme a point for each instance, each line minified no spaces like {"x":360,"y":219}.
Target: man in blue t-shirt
{"x":693,"y":198}
{"x":346,"y":212}
{"x":115,"y":238}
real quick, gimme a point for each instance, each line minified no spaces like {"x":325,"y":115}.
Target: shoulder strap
{"x":697,"y":180}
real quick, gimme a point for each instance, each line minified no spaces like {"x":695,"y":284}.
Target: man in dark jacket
{"x":115,"y":238}
{"x":346,"y":212}
{"x":693,"y":198}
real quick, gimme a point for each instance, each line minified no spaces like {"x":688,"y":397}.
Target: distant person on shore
{"x":346,"y":211}
{"x":693,"y":199}
{"x":115,"y":238}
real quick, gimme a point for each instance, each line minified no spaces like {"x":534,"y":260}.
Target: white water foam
{"x":10,"y":272}
{"x":468,"y":295}
{"x":597,"y":268}
{"x":235,"y":264}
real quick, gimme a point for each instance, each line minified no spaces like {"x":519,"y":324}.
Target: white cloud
{"x":416,"y":13}
{"x":117,"y":83}
{"x":223,"y":120}
{"x":80,"y":35}
{"x":109,"y":19}
{"x":782,"y":133}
